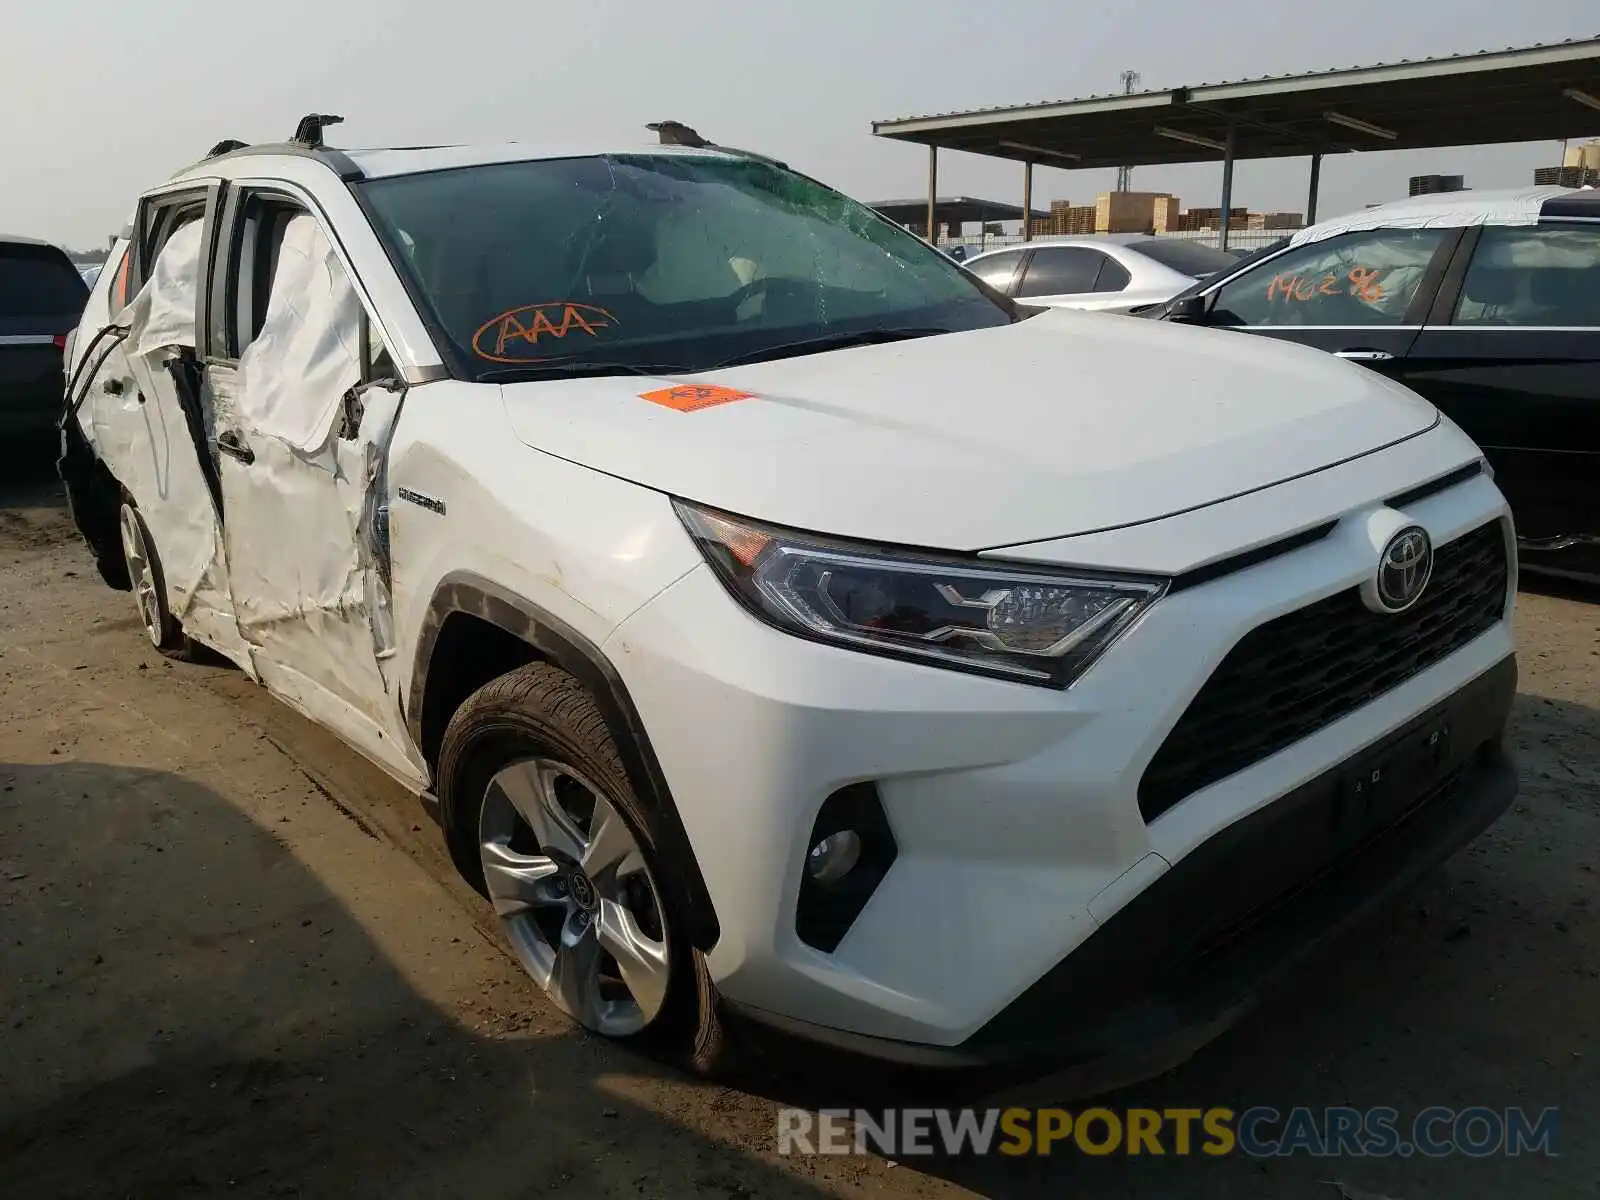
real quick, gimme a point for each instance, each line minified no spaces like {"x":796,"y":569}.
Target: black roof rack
{"x":307,"y":141}
{"x":309,"y":131}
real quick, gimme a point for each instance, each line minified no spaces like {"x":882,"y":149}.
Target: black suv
{"x":1486,"y":303}
{"x":41,"y":298}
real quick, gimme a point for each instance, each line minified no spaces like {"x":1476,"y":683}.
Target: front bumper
{"x":1015,"y":810}
{"x":1196,"y":950}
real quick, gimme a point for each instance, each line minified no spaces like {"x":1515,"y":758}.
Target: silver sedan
{"x":1107,"y":272}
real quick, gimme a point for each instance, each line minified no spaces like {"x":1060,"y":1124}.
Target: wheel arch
{"x":474,"y":631}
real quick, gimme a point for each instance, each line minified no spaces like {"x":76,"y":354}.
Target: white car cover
{"x":1520,"y":206}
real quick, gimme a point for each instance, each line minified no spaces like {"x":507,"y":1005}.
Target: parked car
{"x":90,"y":272}
{"x":41,"y":298}
{"x":1106,"y":272}
{"x":1486,"y":303}
{"x":1239,"y":258}
{"x":777,"y":621}
{"x":962,"y":252}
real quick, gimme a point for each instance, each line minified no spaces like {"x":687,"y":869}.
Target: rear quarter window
{"x":1187,"y":258}
{"x":39,"y":281}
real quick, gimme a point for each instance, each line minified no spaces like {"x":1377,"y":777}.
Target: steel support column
{"x":933,"y":193}
{"x":1311,"y":194}
{"x":1227,"y":184}
{"x":1027,"y":202}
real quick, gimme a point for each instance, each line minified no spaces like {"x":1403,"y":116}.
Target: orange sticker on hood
{"x":692,"y":397}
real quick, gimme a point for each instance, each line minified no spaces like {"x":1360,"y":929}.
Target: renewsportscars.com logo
{"x":1259,"y":1132}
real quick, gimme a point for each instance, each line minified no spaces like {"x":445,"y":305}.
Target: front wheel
{"x":543,"y":821}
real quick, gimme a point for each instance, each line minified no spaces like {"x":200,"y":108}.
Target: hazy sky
{"x":104,"y":99}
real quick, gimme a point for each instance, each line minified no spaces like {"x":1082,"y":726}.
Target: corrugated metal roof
{"x":1329,"y":72}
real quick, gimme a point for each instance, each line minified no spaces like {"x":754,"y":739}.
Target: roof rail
{"x":307,"y":141}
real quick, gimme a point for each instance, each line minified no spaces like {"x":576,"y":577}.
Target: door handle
{"x":230,"y":444}
{"x":1364,"y":355}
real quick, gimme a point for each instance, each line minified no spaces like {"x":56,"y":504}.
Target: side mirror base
{"x":1192,"y":309}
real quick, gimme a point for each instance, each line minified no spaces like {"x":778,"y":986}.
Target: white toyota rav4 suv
{"x":776,"y":621}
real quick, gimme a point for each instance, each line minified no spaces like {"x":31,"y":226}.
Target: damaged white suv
{"x":777,"y":621}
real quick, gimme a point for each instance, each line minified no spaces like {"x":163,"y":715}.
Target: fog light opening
{"x":846,"y":856}
{"x":834,"y":857}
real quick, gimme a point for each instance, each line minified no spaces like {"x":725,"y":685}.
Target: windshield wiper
{"x":577,"y":370}
{"x":831,"y":341}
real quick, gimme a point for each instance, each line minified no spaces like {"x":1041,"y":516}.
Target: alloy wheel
{"x":141,"y":573}
{"x":572,"y":888}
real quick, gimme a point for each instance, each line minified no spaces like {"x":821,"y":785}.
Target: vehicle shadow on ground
{"x":1481,"y":987}
{"x":188,"y":1011}
{"x":33,"y":502}
{"x":28,"y":471}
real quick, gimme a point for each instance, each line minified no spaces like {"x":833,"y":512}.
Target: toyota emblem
{"x":1404,"y":569}
{"x":582,"y":890}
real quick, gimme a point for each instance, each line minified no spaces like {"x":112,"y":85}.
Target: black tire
{"x":540,"y":711}
{"x":93,"y":500}
{"x":173,"y":643}
{"x":113,"y":572}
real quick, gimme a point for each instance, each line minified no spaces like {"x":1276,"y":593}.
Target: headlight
{"x":1033,"y":626}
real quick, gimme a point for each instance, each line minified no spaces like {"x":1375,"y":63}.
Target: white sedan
{"x":1106,"y":272}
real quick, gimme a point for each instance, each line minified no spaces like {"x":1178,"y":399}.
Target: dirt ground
{"x":233,"y":959}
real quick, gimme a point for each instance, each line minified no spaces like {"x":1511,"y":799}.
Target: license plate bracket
{"x":1377,"y":788}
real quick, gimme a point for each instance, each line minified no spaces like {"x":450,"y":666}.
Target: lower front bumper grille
{"x":1261,"y":894}
{"x":1302,"y":671}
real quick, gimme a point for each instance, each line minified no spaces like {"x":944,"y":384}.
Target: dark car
{"x":41,"y":297}
{"x":1486,"y":303}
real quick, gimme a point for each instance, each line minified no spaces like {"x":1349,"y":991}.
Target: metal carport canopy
{"x":1521,"y":94}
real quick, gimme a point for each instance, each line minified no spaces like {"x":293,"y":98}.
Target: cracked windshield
{"x":663,"y":262}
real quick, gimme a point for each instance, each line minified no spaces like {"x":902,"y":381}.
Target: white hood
{"x":1064,"y":423}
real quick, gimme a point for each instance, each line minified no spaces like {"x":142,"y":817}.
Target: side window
{"x":1060,"y":271}
{"x":1532,"y":276}
{"x":159,"y":220}
{"x":1367,"y":278}
{"x":318,"y":287}
{"x":295,"y":322}
{"x":1113,"y":276}
{"x":159,"y":276}
{"x":998,"y":269}
{"x":375,"y":357}
{"x":252,"y":266}
{"x":165,"y":311}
